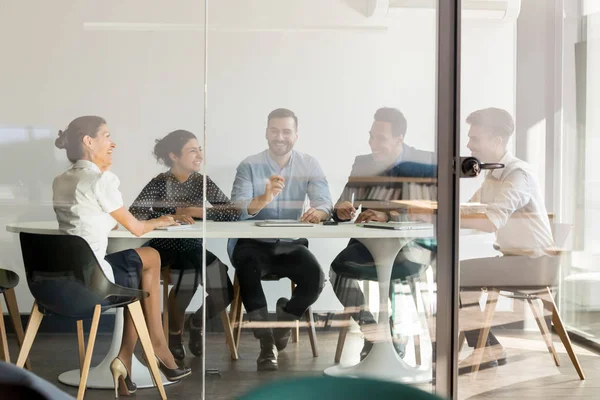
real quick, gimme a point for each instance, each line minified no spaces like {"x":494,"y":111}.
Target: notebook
{"x":399,"y":226}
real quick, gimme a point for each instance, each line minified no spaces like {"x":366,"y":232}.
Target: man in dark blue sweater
{"x":373,"y":184}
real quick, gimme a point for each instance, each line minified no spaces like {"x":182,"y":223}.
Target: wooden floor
{"x":529,"y":374}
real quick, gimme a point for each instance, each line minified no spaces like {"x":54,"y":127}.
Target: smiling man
{"x":390,"y":158}
{"x":274,"y":184}
{"x":515,"y":213}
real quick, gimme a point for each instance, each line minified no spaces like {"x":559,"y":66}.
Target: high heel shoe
{"x":175,"y":374}
{"x":121,"y":376}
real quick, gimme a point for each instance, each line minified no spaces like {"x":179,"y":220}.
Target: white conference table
{"x":382,"y":362}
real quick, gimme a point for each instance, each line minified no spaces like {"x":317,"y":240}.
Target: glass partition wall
{"x":288,"y":127}
{"x":322,"y":112}
{"x":140,"y":66}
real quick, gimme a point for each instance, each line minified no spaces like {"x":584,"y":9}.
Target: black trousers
{"x":186,"y":274}
{"x":253,"y":259}
{"x":350,"y":266}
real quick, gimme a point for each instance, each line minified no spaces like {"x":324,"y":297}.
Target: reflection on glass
{"x":323,"y":69}
{"x":516,"y":214}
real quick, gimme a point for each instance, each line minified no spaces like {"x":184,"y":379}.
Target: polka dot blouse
{"x":164,"y":194}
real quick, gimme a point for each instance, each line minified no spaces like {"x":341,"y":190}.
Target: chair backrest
{"x":8,"y":280}
{"x":336,"y":388}
{"x":63,"y":274}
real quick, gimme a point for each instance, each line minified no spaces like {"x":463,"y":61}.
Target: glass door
{"x":527,"y":243}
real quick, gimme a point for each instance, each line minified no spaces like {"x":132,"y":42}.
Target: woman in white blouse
{"x":88,"y":203}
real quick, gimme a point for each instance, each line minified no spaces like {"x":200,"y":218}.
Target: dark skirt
{"x":127,"y":269}
{"x":187,"y":265}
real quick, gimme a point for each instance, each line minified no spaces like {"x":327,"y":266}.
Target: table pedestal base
{"x":383,"y":363}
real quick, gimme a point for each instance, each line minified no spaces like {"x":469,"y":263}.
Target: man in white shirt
{"x":515,"y":212}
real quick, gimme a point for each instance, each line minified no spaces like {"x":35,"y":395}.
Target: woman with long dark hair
{"x":179,"y":191}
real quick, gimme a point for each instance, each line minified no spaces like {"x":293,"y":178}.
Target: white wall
{"x":322,"y":59}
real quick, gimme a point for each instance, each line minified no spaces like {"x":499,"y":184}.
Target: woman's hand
{"x":165,"y":220}
{"x":194,"y":212}
{"x":184,"y":219}
{"x":139,"y":228}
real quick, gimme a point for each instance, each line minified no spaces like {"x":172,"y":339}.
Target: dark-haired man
{"x":274,"y":184}
{"x":390,"y":158}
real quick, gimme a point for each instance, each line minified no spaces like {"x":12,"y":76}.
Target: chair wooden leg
{"x":13,"y":310}
{"x":88,"y":353}
{"x":135,"y":310}
{"x":81,"y":345}
{"x":3,"y":340}
{"x":35,"y":319}
{"x":490,"y":309}
{"x":312,"y":333}
{"x":296,"y":329}
{"x":541,"y":322}
{"x":229,"y":335}
{"x":237,"y":330}
{"x":235,"y":312}
{"x":562,"y":332}
{"x":166,"y":276}
{"x":342,"y":337}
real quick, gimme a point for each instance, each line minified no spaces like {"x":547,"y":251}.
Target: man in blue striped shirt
{"x":274,"y":184}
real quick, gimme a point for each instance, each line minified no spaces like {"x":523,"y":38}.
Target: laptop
{"x":398,"y":226}
{"x":282,"y":223}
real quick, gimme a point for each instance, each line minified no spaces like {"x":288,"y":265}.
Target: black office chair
{"x":8,"y":281}
{"x":405,"y":273}
{"x":66,"y":279}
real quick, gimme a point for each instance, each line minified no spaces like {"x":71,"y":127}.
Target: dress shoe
{"x":398,"y":346}
{"x":173,"y":374}
{"x":176,"y":346}
{"x":493,"y":356}
{"x":282,"y":335}
{"x":267,"y":359}
{"x":366,"y":349}
{"x":195,"y":343}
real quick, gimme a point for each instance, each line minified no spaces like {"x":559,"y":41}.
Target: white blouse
{"x":83,"y":198}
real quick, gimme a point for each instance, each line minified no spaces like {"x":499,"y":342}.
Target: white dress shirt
{"x":83,"y":198}
{"x":515,"y":205}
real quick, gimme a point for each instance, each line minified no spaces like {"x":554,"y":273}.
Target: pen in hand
{"x":356,"y":213}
